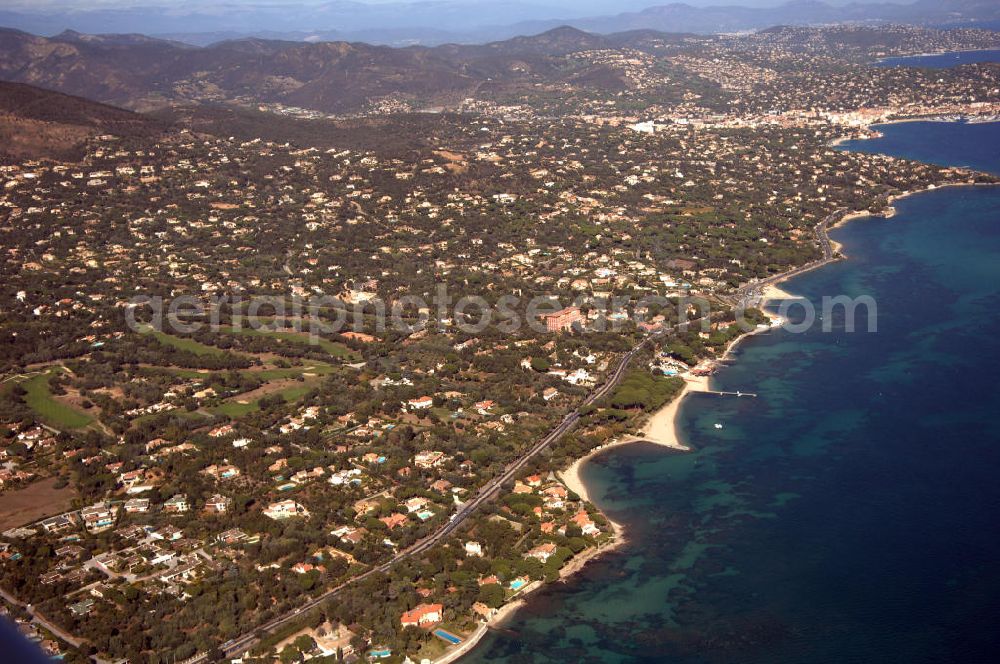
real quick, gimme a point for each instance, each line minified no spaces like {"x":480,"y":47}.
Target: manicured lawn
{"x":57,"y":414}
{"x":233,"y":408}
{"x":335,"y":349}
{"x":318,"y":368}
{"x":182,"y":343}
{"x":432,"y":650}
{"x":191,"y":374}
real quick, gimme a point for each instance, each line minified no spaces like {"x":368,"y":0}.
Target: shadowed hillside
{"x":37,"y":123}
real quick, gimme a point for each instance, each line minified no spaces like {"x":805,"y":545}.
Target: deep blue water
{"x":943,"y":60}
{"x":849,"y":513}
{"x":946,"y":143}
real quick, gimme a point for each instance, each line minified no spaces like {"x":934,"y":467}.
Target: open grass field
{"x":263,"y":373}
{"x":52,"y":412}
{"x":308,"y":369}
{"x":247,"y":403}
{"x":179,"y":414}
{"x":181,"y":343}
{"x":337,"y":350}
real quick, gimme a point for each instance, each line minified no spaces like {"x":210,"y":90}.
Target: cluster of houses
{"x":706,"y":182}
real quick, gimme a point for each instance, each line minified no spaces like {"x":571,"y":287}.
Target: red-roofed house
{"x":422,"y":614}
{"x":394,"y":520}
{"x":542,"y":552}
{"x":583,"y":520}
{"x":420,"y":403}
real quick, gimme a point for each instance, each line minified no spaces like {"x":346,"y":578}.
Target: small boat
{"x":718,"y":426}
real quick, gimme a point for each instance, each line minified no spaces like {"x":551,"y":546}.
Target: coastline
{"x":507,"y":611}
{"x":939,"y":117}
{"x":661,"y":427}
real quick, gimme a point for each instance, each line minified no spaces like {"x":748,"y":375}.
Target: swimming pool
{"x":447,"y":636}
{"x":517,"y":584}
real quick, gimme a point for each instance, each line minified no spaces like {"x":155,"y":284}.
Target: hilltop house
{"x":177,"y":504}
{"x":285,"y":509}
{"x":420,"y":403}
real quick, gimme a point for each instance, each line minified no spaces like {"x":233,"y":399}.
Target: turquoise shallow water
{"x":847,"y":514}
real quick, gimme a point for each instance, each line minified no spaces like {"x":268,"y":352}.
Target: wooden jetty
{"x":729,"y":394}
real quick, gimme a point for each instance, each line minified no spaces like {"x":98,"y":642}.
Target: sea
{"x":943,"y":60}
{"x":850,"y":512}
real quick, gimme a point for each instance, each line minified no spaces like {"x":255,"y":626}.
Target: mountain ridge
{"x":343,"y":78}
{"x":436,"y":23}
{"x":333,"y":77}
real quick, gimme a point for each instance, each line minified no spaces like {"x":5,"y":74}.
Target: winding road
{"x":41,"y":620}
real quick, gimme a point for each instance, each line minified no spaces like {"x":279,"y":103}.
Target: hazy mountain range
{"x":437,"y":22}
{"x":142,"y":72}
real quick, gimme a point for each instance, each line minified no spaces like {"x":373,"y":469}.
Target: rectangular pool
{"x":447,"y":636}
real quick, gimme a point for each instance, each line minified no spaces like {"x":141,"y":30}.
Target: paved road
{"x":749,"y":294}
{"x":485,"y":494}
{"x":41,"y":620}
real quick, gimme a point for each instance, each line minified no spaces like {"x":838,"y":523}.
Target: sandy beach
{"x":660,"y":429}
{"x":775,"y":292}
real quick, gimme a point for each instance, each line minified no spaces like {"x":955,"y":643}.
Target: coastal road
{"x":751,"y":294}
{"x":41,"y":620}
{"x":486,"y":493}
{"x":747,"y":295}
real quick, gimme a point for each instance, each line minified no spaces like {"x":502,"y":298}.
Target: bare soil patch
{"x":35,"y":501}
